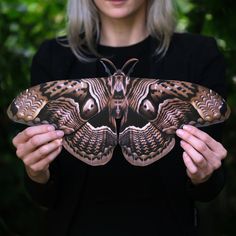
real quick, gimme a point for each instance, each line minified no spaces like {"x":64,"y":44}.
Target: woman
{"x":118,"y":198}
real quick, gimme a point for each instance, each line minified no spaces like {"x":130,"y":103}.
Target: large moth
{"x":96,"y":114}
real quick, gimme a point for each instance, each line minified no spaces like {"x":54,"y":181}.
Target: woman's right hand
{"x":37,"y":147}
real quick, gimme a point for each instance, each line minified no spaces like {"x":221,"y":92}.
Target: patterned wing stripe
{"x":143,"y":146}
{"x":139,"y":90}
{"x":63,"y":113}
{"x":97,"y":89}
{"x":172,"y":113}
{"x":91,"y":145}
{"x":62,"y":88}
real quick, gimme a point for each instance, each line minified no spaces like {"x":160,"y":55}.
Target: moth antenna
{"x":103,"y":60}
{"x":135,"y":60}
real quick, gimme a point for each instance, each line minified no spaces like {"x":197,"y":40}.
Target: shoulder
{"x":57,"y":47}
{"x":197,"y":59}
{"x":188,"y":43}
{"x":192,"y":41}
{"x":53,"y":59}
{"x":194,"y":58}
{"x":189,"y":38}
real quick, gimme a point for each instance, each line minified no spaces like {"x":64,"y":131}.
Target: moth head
{"x":119,"y":80}
{"x":118,"y":83}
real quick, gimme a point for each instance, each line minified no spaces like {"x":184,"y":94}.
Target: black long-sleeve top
{"x":118,"y":198}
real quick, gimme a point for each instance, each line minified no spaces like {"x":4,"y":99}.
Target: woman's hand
{"x":202,"y":154}
{"x":37,"y":147}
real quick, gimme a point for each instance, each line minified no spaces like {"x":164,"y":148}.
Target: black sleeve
{"x":51,"y":62}
{"x":44,"y":195}
{"x":208,"y":69}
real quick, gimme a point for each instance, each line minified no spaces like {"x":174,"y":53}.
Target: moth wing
{"x":94,"y":142}
{"x":203,"y":106}
{"x":69,"y":105}
{"x":164,"y":107}
{"x":142,"y":143}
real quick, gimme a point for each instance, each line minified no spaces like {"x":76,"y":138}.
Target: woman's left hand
{"x":202,"y":154}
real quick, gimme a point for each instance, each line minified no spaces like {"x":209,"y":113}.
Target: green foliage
{"x":24,"y":24}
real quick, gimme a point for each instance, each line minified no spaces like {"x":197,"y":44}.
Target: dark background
{"x":24,"y":25}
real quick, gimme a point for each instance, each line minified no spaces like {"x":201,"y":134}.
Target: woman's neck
{"x":122,"y":32}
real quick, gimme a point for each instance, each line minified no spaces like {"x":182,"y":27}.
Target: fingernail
{"x":51,"y":128}
{"x":186,"y":127}
{"x":179,"y":132}
{"x":60,"y":141}
{"x":59,"y":133}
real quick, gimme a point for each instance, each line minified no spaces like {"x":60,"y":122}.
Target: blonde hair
{"x":83,"y":26}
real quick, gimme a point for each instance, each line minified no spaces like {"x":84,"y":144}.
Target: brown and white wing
{"x":164,"y":107}
{"x":69,"y":105}
{"x":143,"y":143}
{"x":66,"y":104}
{"x":203,"y":106}
{"x":92,"y":145}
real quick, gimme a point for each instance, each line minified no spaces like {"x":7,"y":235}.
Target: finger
{"x":194,"y":141}
{"x":213,"y":145}
{"x":191,"y":167}
{"x":29,"y":132}
{"x":196,"y":157}
{"x":194,"y":173}
{"x":42,"y":152}
{"x":36,"y":141}
{"x":44,"y":163}
{"x":220,"y":151}
{"x":203,"y":136}
{"x":208,"y":163}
